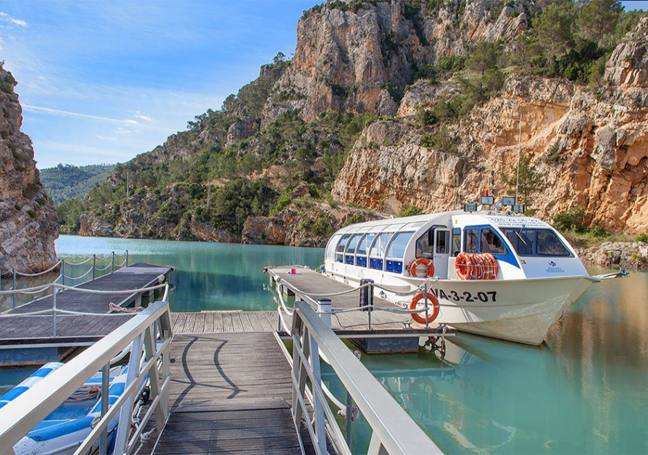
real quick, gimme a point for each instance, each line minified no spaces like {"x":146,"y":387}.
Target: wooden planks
{"x":229,"y":392}
{"x":224,"y":322}
{"x":22,"y":329}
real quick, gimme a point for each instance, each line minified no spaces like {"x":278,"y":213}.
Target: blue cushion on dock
{"x":58,"y":430}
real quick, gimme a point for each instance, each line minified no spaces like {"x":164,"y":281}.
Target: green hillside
{"x":66,"y":181}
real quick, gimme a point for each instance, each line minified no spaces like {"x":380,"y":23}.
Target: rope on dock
{"x":80,"y":276}
{"x":39,"y":273}
{"x":78,"y":263}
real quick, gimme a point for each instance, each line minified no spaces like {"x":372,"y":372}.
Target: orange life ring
{"x":429,"y":267}
{"x":431,"y":315}
{"x":481,"y":267}
{"x":492,"y":267}
{"x":464,"y":266}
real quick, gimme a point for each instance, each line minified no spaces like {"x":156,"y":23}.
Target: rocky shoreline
{"x":614,"y":255}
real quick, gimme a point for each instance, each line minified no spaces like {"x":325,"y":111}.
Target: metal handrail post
{"x":112,"y":268}
{"x":348,"y":419}
{"x":55,"y":289}
{"x":318,"y":412}
{"x":105,"y":377}
{"x":94,"y":266}
{"x":13,"y":287}
{"x":427,"y":306}
{"x":63,"y":271}
{"x":126,"y":258}
{"x":324,"y":310}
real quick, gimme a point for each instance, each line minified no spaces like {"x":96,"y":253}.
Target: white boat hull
{"x":520,"y":310}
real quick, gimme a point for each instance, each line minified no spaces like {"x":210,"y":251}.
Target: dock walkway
{"x":19,"y":328}
{"x":229,"y":394}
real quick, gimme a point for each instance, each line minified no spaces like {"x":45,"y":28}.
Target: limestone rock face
{"x":28,"y":221}
{"x":360,"y":57}
{"x":628,"y":64}
{"x":592,"y":152}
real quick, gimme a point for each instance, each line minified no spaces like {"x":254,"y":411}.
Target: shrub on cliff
{"x":571,"y":220}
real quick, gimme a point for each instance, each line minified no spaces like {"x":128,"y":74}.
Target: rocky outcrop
{"x":628,"y":64}
{"x":614,"y":255}
{"x":356,"y":56}
{"x":28,"y":221}
{"x":590,"y":148}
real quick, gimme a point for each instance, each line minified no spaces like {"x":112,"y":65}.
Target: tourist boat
{"x":65,"y":429}
{"x":504,"y":276}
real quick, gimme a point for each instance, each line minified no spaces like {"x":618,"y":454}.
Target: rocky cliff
{"x":28,"y":224}
{"x":355,"y":56}
{"x":589,"y":145}
{"x":396,"y":106}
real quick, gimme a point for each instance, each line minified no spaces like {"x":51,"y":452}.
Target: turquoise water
{"x":209,"y":276}
{"x":585,"y":392}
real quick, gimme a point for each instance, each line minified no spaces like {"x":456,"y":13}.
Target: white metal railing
{"x":91,"y":273}
{"x":393,"y":430}
{"x":148,"y":334}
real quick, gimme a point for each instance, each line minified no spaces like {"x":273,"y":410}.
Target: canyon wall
{"x":28,"y":222}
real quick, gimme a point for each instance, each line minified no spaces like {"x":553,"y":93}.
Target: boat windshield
{"x":398,"y":245}
{"x":351,"y":246}
{"x":536,"y":242}
{"x":364,"y":244}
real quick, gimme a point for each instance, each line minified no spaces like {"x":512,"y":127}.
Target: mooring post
{"x":366,"y":297}
{"x":13,"y":287}
{"x":94,"y":266}
{"x":112,"y":268}
{"x":105,"y":377}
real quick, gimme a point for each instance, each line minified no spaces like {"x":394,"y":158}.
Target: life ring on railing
{"x":492,"y":266}
{"x":431,"y":315}
{"x":464,"y":266}
{"x":421,"y":263}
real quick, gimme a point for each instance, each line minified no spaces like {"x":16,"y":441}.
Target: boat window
{"x":364,"y":244}
{"x":398,"y":245}
{"x":456,"y":241}
{"x":536,"y":242}
{"x":425,"y":245}
{"x":342,"y":243}
{"x":351,"y":246}
{"x":442,"y":239}
{"x":380,"y":245}
{"x":548,"y":244}
{"x":471,"y":237}
{"x":491,"y":242}
{"x":330,"y":249}
{"x":339,"y":257}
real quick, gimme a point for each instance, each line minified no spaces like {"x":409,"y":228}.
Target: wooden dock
{"x":229,"y":394}
{"x":18,"y":328}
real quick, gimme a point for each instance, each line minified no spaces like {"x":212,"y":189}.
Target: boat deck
{"x":229,"y":393}
{"x":19,"y":328}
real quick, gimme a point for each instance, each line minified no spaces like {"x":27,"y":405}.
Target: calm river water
{"x":585,"y":392}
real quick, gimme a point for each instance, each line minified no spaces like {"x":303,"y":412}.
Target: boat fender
{"x":432,"y":315}
{"x":421,"y":268}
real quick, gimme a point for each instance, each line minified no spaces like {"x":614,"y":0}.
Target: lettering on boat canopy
{"x":513,"y":221}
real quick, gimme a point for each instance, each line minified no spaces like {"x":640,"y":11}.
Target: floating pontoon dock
{"x":83,"y":314}
{"x":386,"y":329}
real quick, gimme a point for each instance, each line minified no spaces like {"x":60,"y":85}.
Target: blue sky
{"x":101,"y":81}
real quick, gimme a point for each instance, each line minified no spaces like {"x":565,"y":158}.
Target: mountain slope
{"x":401,"y":106}
{"x":66,"y":181}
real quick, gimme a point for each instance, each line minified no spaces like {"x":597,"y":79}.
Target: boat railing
{"x":393,"y":430}
{"x":147,"y":336}
{"x":66,"y":268}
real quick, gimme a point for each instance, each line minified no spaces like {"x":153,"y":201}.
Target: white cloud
{"x":144,"y":118}
{"x":12,"y":20}
{"x":79,"y":115}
